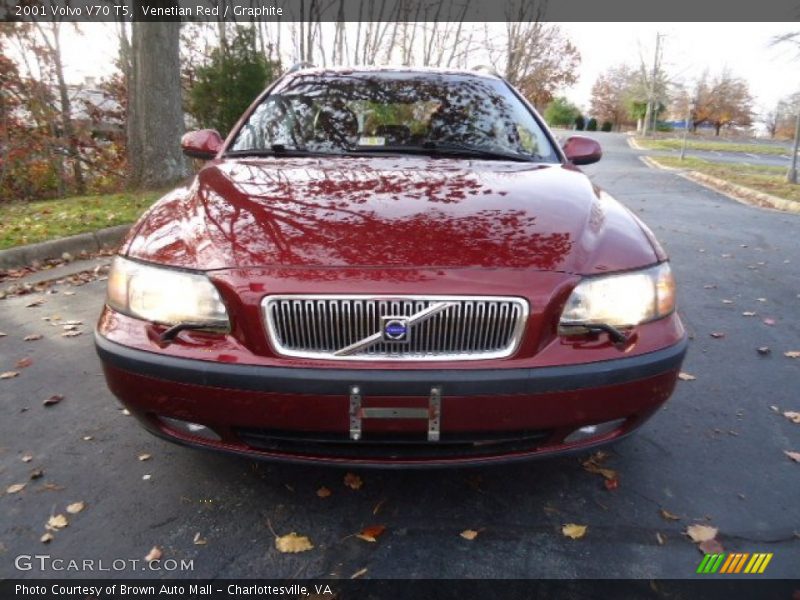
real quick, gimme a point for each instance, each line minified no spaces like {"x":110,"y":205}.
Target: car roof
{"x":388,"y":69}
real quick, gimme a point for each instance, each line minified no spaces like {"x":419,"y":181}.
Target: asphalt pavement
{"x":714,"y":455}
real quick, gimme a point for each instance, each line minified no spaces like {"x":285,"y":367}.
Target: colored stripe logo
{"x":737,"y":562}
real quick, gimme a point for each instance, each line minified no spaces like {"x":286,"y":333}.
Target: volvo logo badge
{"x":395,"y":329}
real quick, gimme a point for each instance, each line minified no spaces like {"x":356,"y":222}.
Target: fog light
{"x":593,"y":431}
{"x":193,"y":429}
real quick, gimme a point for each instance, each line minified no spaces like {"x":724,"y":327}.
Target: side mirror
{"x":204,"y":143}
{"x":582,"y":150}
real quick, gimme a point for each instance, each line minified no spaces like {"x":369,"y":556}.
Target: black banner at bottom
{"x":400,"y":589}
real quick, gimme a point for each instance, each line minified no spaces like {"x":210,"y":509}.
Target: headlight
{"x":622,"y":300}
{"x":164,"y":295}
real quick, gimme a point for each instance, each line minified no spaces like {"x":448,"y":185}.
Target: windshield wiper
{"x":273,"y":150}
{"x":446,"y":147}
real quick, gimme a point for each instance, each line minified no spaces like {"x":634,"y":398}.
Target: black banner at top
{"x":402,"y":10}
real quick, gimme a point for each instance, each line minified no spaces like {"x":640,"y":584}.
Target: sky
{"x":688,"y":49}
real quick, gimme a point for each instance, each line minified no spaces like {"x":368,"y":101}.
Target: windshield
{"x":343,"y":113}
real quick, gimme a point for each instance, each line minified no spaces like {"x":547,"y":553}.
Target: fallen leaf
{"x":660,"y":538}
{"x":52,"y":487}
{"x":24,"y":363}
{"x":763,"y":350}
{"x":353,"y":481}
{"x":71,"y":333}
{"x":144,"y":457}
{"x":774,"y":408}
{"x":378,"y":506}
{"x":75,"y":507}
{"x":57,"y":522}
{"x":32,"y":337}
{"x":727,"y":301}
{"x":795,"y":456}
{"x":709,"y":286}
{"x":592,"y":467}
{"x":571,"y":530}
{"x":469,"y":534}
{"x":146,"y":477}
{"x":793,"y":416}
{"x":46,"y":538}
{"x":769,"y":321}
{"x":10,"y":374}
{"x":154,"y":554}
{"x":54,"y":399}
{"x":72,"y":322}
{"x":198,"y":540}
{"x":789,"y":354}
{"x":293,"y":543}
{"x":37,"y":473}
{"x":371,"y":534}
{"x":3,"y":334}
{"x":686,"y":377}
{"x":748,"y":313}
{"x":701,"y":533}
{"x":359,"y":573}
{"x":717,"y":335}
{"x":668,"y":515}
{"x":323,"y":492}
{"x":126,"y":412}
{"x":761,"y":299}
{"x":710,"y":547}
{"x":26,"y":458}
{"x":611,"y":484}
{"x":35,"y":303}
{"x":69,"y":327}
{"x":16,"y":488}
{"x":87,"y":438}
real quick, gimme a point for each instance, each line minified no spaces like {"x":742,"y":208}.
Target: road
{"x":713,"y":455}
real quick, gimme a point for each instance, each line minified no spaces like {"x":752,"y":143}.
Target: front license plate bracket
{"x":432,"y":414}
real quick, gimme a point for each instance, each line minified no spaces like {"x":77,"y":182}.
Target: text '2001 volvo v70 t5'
{"x":390,"y":267}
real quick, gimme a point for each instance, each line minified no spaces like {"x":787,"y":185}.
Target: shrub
{"x":607,"y":126}
{"x":580,"y":123}
{"x":591,"y":125}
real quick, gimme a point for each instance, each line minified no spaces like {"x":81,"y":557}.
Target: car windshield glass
{"x":394,"y":112}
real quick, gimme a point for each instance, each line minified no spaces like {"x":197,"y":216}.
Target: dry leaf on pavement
{"x":57,"y":522}
{"x":359,"y":573}
{"x":668,"y":515}
{"x":371,"y":534}
{"x":292,"y":543}
{"x":793,"y":416}
{"x":323,"y":492}
{"x":748,"y":313}
{"x":763,"y":350}
{"x":54,"y":399}
{"x":154,"y":554}
{"x":660,"y":538}
{"x":46,"y":538}
{"x":717,"y":335}
{"x":70,"y":334}
{"x":76,"y":507}
{"x":32,"y":337}
{"x":24,"y":363}
{"x":37,"y":473}
{"x":795,"y":456}
{"x":701,"y":533}
{"x":3,"y":334}
{"x":611,"y":484}
{"x":26,"y":458}
{"x":144,"y":457}
{"x":592,"y":466}
{"x":710,"y":547}
{"x":571,"y":530}
{"x":769,"y":321}
{"x":353,"y":481}
{"x":789,"y":354}
{"x":16,"y":488}
{"x":199,"y":540}
{"x":8,"y":374}
{"x":469,"y":534}
{"x":686,"y":377}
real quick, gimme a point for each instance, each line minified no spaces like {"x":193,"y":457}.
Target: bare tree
{"x":722,"y":101}
{"x":612,"y":93}
{"x":155,"y":114}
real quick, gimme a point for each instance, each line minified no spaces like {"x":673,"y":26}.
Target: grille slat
{"x":470,"y":328}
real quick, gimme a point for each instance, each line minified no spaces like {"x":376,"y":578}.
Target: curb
{"x":633,"y":143}
{"x":739,"y":193}
{"x":94,"y":241}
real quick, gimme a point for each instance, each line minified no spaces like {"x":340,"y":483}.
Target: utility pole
{"x":791,"y":176}
{"x":651,"y":109}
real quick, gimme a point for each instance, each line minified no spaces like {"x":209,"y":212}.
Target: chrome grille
{"x":351,"y":327}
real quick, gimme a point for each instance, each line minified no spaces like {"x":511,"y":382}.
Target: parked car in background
{"x":391,"y":267}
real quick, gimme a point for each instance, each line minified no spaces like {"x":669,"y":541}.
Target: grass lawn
{"x":29,"y":222}
{"x":770,"y":180}
{"x":676,"y":143}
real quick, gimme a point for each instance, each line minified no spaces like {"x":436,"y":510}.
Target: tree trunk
{"x":155,"y":118}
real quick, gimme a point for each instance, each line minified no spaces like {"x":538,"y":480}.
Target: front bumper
{"x":304,"y":414}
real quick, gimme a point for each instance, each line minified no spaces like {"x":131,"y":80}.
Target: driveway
{"x":714,"y":455}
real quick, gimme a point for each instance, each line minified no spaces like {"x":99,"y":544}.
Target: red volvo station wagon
{"x":394,"y":267}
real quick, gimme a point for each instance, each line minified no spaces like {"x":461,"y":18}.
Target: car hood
{"x":391,"y":212}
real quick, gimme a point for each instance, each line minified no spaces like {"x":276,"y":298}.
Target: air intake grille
{"x":395,"y":328}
